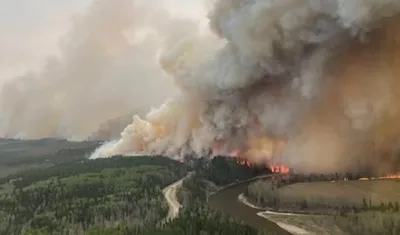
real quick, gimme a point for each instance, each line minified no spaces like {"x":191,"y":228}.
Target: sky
{"x":30,"y":30}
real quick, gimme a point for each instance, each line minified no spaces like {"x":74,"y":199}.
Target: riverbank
{"x":239,"y":183}
{"x":226,"y":201}
{"x":288,"y":227}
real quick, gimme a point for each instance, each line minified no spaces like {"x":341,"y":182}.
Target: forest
{"x":226,"y":170}
{"x":72,"y":195}
{"x":196,"y":216}
{"x":85,"y":196}
{"x":121,"y":195}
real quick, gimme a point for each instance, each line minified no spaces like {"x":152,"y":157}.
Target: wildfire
{"x":258,"y":150}
{"x":244,"y":162}
{"x":385,"y":177}
{"x":391,"y":176}
{"x":235,"y":153}
{"x":279,"y":168}
{"x":275,"y":168}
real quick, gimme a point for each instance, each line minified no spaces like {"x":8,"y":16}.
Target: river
{"x":227,"y":201}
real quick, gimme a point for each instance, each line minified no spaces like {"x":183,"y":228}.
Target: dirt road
{"x":171,"y":197}
{"x":173,"y":203}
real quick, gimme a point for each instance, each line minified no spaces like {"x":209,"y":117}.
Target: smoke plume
{"x":312,"y":84}
{"x":318,"y":75}
{"x":107,"y":69}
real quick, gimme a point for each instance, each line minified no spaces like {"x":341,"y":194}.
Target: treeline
{"x":197,"y":221}
{"x":25,"y":152}
{"x":119,"y":193}
{"x":194,"y":189}
{"x":196,"y":217}
{"x":369,"y":223}
{"x":265,"y":193}
{"x":66,"y":169}
{"x":201,"y":219}
{"x":210,"y":175}
{"x":367,"y":205}
{"x":226,"y":170}
{"x":282,"y":180}
{"x":352,"y":218}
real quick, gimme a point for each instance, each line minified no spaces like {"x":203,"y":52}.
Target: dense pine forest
{"x":72,"y":198}
{"x":60,"y":191}
{"x":70,"y":194}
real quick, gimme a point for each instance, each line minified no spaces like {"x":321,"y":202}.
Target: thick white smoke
{"x":318,"y":74}
{"x":107,"y":68}
{"x":278,"y":64}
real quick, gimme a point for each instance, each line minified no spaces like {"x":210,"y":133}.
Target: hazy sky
{"x":29,"y":30}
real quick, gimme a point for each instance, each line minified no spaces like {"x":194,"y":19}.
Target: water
{"x":227,"y":201}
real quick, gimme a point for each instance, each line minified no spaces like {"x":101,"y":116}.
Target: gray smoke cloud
{"x":308,"y":83}
{"x":108,"y":68}
{"x":315,"y":75}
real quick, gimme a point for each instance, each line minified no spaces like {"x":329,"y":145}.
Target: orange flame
{"x":391,"y":176}
{"x":279,"y":168}
{"x":275,"y":168}
{"x":234,"y":153}
{"x":260,"y":146}
{"x":385,"y":177}
{"x":244,"y":162}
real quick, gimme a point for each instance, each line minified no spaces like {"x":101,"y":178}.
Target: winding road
{"x":173,"y":203}
{"x":171,"y":197}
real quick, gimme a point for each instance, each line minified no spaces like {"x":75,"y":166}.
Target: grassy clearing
{"x":373,"y":223}
{"x":314,"y":224}
{"x":351,"y":191}
{"x":378,"y":214}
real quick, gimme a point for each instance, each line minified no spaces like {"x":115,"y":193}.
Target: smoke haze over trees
{"x":320,"y":74}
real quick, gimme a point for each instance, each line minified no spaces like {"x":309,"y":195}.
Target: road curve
{"x":171,"y":197}
{"x":173,"y":203}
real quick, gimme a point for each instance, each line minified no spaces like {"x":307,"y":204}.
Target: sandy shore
{"x":288,"y":227}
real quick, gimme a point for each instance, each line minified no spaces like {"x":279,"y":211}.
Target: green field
{"x":352,"y":192}
{"x":364,"y":223}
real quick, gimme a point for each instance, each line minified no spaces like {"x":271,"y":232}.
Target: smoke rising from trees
{"x":322,"y":75}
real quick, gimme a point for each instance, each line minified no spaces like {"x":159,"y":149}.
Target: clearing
{"x":351,"y":191}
